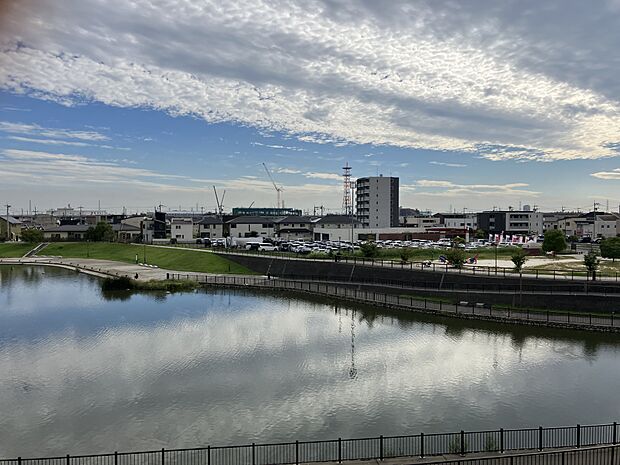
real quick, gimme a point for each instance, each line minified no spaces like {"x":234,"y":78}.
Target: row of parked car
{"x":327,"y":247}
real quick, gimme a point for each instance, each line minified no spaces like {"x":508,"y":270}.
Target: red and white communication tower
{"x":347,"y":198}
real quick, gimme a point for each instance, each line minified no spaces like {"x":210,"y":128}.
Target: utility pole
{"x":8,"y":225}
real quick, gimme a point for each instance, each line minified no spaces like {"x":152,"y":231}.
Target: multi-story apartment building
{"x":377,"y":201}
{"x":511,"y":222}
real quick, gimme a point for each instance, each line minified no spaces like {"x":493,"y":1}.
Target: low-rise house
{"x":211,"y":227}
{"x":252,"y":226}
{"x":124,"y":232}
{"x":66,"y":232}
{"x":181,"y":228}
{"x":294,"y":228}
{"x":13,"y":231}
{"x":336,"y":227}
{"x":420,"y":223}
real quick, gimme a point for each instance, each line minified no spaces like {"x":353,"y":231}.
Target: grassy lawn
{"x":171,"y":259}
{"x":15,"y":249}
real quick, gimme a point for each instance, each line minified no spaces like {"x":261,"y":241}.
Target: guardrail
{"x":581,"y":320}
{"x":371,"y":448}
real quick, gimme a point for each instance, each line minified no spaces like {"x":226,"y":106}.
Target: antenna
{"x":278,"y":189}
{"x":347,"y":202}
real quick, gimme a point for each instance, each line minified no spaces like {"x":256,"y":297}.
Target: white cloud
{"x":440,"y":188}
{"x":36,"y":130}
{"x":607,"y":175}
{"x":441,"y":76}
{"x":288,"y":171}
{"x":276,"y":146}
{"x":328,"y":176}
{"x":449,"y":165}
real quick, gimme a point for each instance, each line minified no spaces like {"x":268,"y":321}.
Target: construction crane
{"x":220,"y":204}
{"x":278,"y":189}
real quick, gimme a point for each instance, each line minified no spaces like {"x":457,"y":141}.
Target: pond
{"x":84,"y":372}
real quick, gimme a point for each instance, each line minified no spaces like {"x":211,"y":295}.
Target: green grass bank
{"x":171,"y":259}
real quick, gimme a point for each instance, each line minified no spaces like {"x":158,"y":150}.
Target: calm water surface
{"x":81,"y":372}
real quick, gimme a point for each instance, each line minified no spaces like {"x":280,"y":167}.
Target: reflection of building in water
{"x":353,"y":370}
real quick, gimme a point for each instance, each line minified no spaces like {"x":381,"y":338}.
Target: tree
{"x":456,"y":257}
{"x":555,"y":241}
{"x":458,"y":240}
{"x":405,"y":254}
{"x":518,"y":257}
{"x":369,"y":249}
{"x":32,"y":235}
{"x":102,"y":232}
{"x":610,"y":248}
{"x":591,"y":261}
{"x":480,"y":234}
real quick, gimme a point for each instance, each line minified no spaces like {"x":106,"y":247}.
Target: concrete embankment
{"x":524,"y":291}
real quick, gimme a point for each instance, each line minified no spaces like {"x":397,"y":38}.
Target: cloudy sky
{"x":472,"y":104}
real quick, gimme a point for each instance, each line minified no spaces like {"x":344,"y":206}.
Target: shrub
{"x":369,"y":249}
{"x":555,"y":241}
{"x":610,"y":248}
{"x":32,"y":235}
{"x":456,"y":257}
{"x":518,"y":258}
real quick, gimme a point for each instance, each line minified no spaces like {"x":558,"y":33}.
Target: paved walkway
{"x":104,"y":268}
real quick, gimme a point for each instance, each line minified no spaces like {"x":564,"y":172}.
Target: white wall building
{"x":251,"y":226}
{"x":181,"y":228}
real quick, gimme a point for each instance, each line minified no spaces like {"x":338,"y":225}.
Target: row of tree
{"x":102,"y":232}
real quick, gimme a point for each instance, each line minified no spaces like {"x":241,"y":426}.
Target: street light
{"x":495,"y":245}
{"x":8,"y":225}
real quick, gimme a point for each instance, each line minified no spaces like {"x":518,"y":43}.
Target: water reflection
{"x":80,"y":372}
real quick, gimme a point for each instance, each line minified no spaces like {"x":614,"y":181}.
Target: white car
{"x":267,"y":248}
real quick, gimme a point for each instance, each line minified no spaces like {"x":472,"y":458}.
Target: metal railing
{"x":423,"y":265}
{"x":580,"y":320}
{"x":375,"y":448}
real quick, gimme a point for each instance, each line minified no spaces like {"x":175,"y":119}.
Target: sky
{"x":473,"y":105}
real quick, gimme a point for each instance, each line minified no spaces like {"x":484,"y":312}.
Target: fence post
{"x":296,"y":452}
{"x":578,"y":436}
{"x":540,"y":436}
{"x":339,"y":450}
{"x":614,"y":434}
{"x":381,"y":447}
{"x":163,"y":457}
{"x":501,"y":440}
{"x":253,"y":454}
{"x":68,"y":459}
{"x":19,"y":461}
{"x":115,"y":458}
{"x":462,"y":442}
{"x":208,"y":455}
{"x":421,"y":445}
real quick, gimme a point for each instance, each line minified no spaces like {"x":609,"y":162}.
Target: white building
{"x":251,"y":226}
{"x":377,"y":201}
{"x":336,"y":227}
{"x":181,"y":228}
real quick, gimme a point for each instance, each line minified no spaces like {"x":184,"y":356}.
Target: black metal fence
{"x":581,"y":320}
{"x":377,"y":448}
{"x":473,"y":269}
